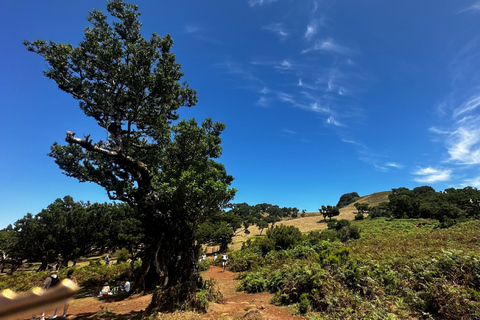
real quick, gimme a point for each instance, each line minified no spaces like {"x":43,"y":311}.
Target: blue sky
{"x":320,"y":98}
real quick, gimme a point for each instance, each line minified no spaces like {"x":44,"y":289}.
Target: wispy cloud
{"x":191,"y":29}
{"x":472,"y":182}
{"x":432,"y":175}
{"x":464,"y":145}
{"x":278,"y":29}
{"x":394,"y":165}
{"x":473,"y":7}
{"x":470,"y":105}
{"x":312,"y":29}
{"x":284,"y":65}
{"x":331,"y":120}
{"x":253,"y":3}
{"x":329,"y":45}
{"x":238,"y":69}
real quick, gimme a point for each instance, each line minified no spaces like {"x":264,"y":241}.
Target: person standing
{"x":74,"y":280}
{"x":50,"y":282}
{"x":224,"y":261}
{"x":127,"y":285}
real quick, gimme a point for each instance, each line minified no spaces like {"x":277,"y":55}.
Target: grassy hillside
{"x":310,"y":221}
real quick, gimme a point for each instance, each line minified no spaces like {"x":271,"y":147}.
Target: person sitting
{"x":105,"y":291}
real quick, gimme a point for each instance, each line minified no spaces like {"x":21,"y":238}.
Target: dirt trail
{"x":238,"y":305}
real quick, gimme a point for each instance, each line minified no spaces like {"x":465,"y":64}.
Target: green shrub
{"x":204,"y":265}
{"x":253,"y":282}
{"x":244,"y":260}
{"x":122,"y":255}
{"x":303,"y":304}
{"x":359,"y":216}
{"x":284,"y":237}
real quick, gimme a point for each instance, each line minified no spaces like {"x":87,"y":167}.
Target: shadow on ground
{"x":109,"y":315}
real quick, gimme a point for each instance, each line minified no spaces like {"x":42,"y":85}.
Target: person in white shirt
{"x":127,"y":285}
{"x":224,"y":261}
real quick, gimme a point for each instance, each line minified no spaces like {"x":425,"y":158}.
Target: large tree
{"x":162,"y":166}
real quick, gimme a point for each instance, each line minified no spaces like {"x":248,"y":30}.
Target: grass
{"x":400,"y":240}
{"x":310,"y":221}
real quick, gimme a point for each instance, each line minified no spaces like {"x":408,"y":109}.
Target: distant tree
{"x":332,"y":211}
{"x":361,"y":207}
{"x":347,"y":199}
{"x":215,"y":232}
{"x":323,"y":211}
{"x":262,"y":224}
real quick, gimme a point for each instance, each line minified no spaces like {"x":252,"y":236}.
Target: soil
{"x":237,"y":306}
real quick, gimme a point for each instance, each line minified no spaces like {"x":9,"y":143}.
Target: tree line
{"x":67,"y":230}
{"x":447,"y":206}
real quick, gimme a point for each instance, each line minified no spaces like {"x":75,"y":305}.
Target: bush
{"x":284,"y":237}
{"x":244,"y":260}
{"x":122,"y":255}
{"x":303,"y":304}
{"x":204,"y":265}
{"x":359,"y":216}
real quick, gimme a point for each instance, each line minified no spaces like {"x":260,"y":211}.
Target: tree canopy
{"x":160,"y":165}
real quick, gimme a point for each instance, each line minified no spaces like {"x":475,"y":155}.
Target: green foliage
{"x":244,"y":260}
{"x":284,"y":237}
{"x":186,"y":296}
{"x":163,"y":167}
{"x":90,"y":276}
{"x":204,"y":265}
{"x":424,"y":202}
{"x":122,"y":255}
{"x":338,"y":282}
{"x":303,"y":304}
{"x":359,"y":216}
{"x":347,"y":199}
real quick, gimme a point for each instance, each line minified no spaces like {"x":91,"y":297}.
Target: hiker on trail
{"x":215,"y":256}
{"x":74,"y":280}
{"x":50,"y":282}
{"x":107,"y":259}
{"x":224,"y":261}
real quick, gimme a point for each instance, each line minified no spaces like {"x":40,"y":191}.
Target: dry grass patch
{"x":310,"y":221}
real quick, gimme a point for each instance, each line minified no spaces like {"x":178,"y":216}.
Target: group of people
{"x":106,"y":290}
{"x":51,"y":282}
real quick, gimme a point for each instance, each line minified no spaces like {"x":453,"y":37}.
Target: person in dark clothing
{"x":51,"y":282}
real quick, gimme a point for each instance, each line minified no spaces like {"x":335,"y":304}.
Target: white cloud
{"x":470,"y":105}
{"x":464,"y":145}
{"x":474,"y":7}
{"x":284,"y":65}
{"x":289,"y":131}
{"x":278,"y":29}
{"x":285,"y":97}
{"x":253,"y":3}
{"x":474,"y":182}
{"x":432,"y":175}
{"x":263,"y":101}
{"x":332,"y":120}
{"x":312,"y":29}
{"x":394,"y":165}
{"x":328,"y":45}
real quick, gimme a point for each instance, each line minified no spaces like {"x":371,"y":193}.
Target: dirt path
{"x":238,"y":305}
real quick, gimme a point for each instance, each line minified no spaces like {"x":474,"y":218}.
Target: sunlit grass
{"x":402,"y":240}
